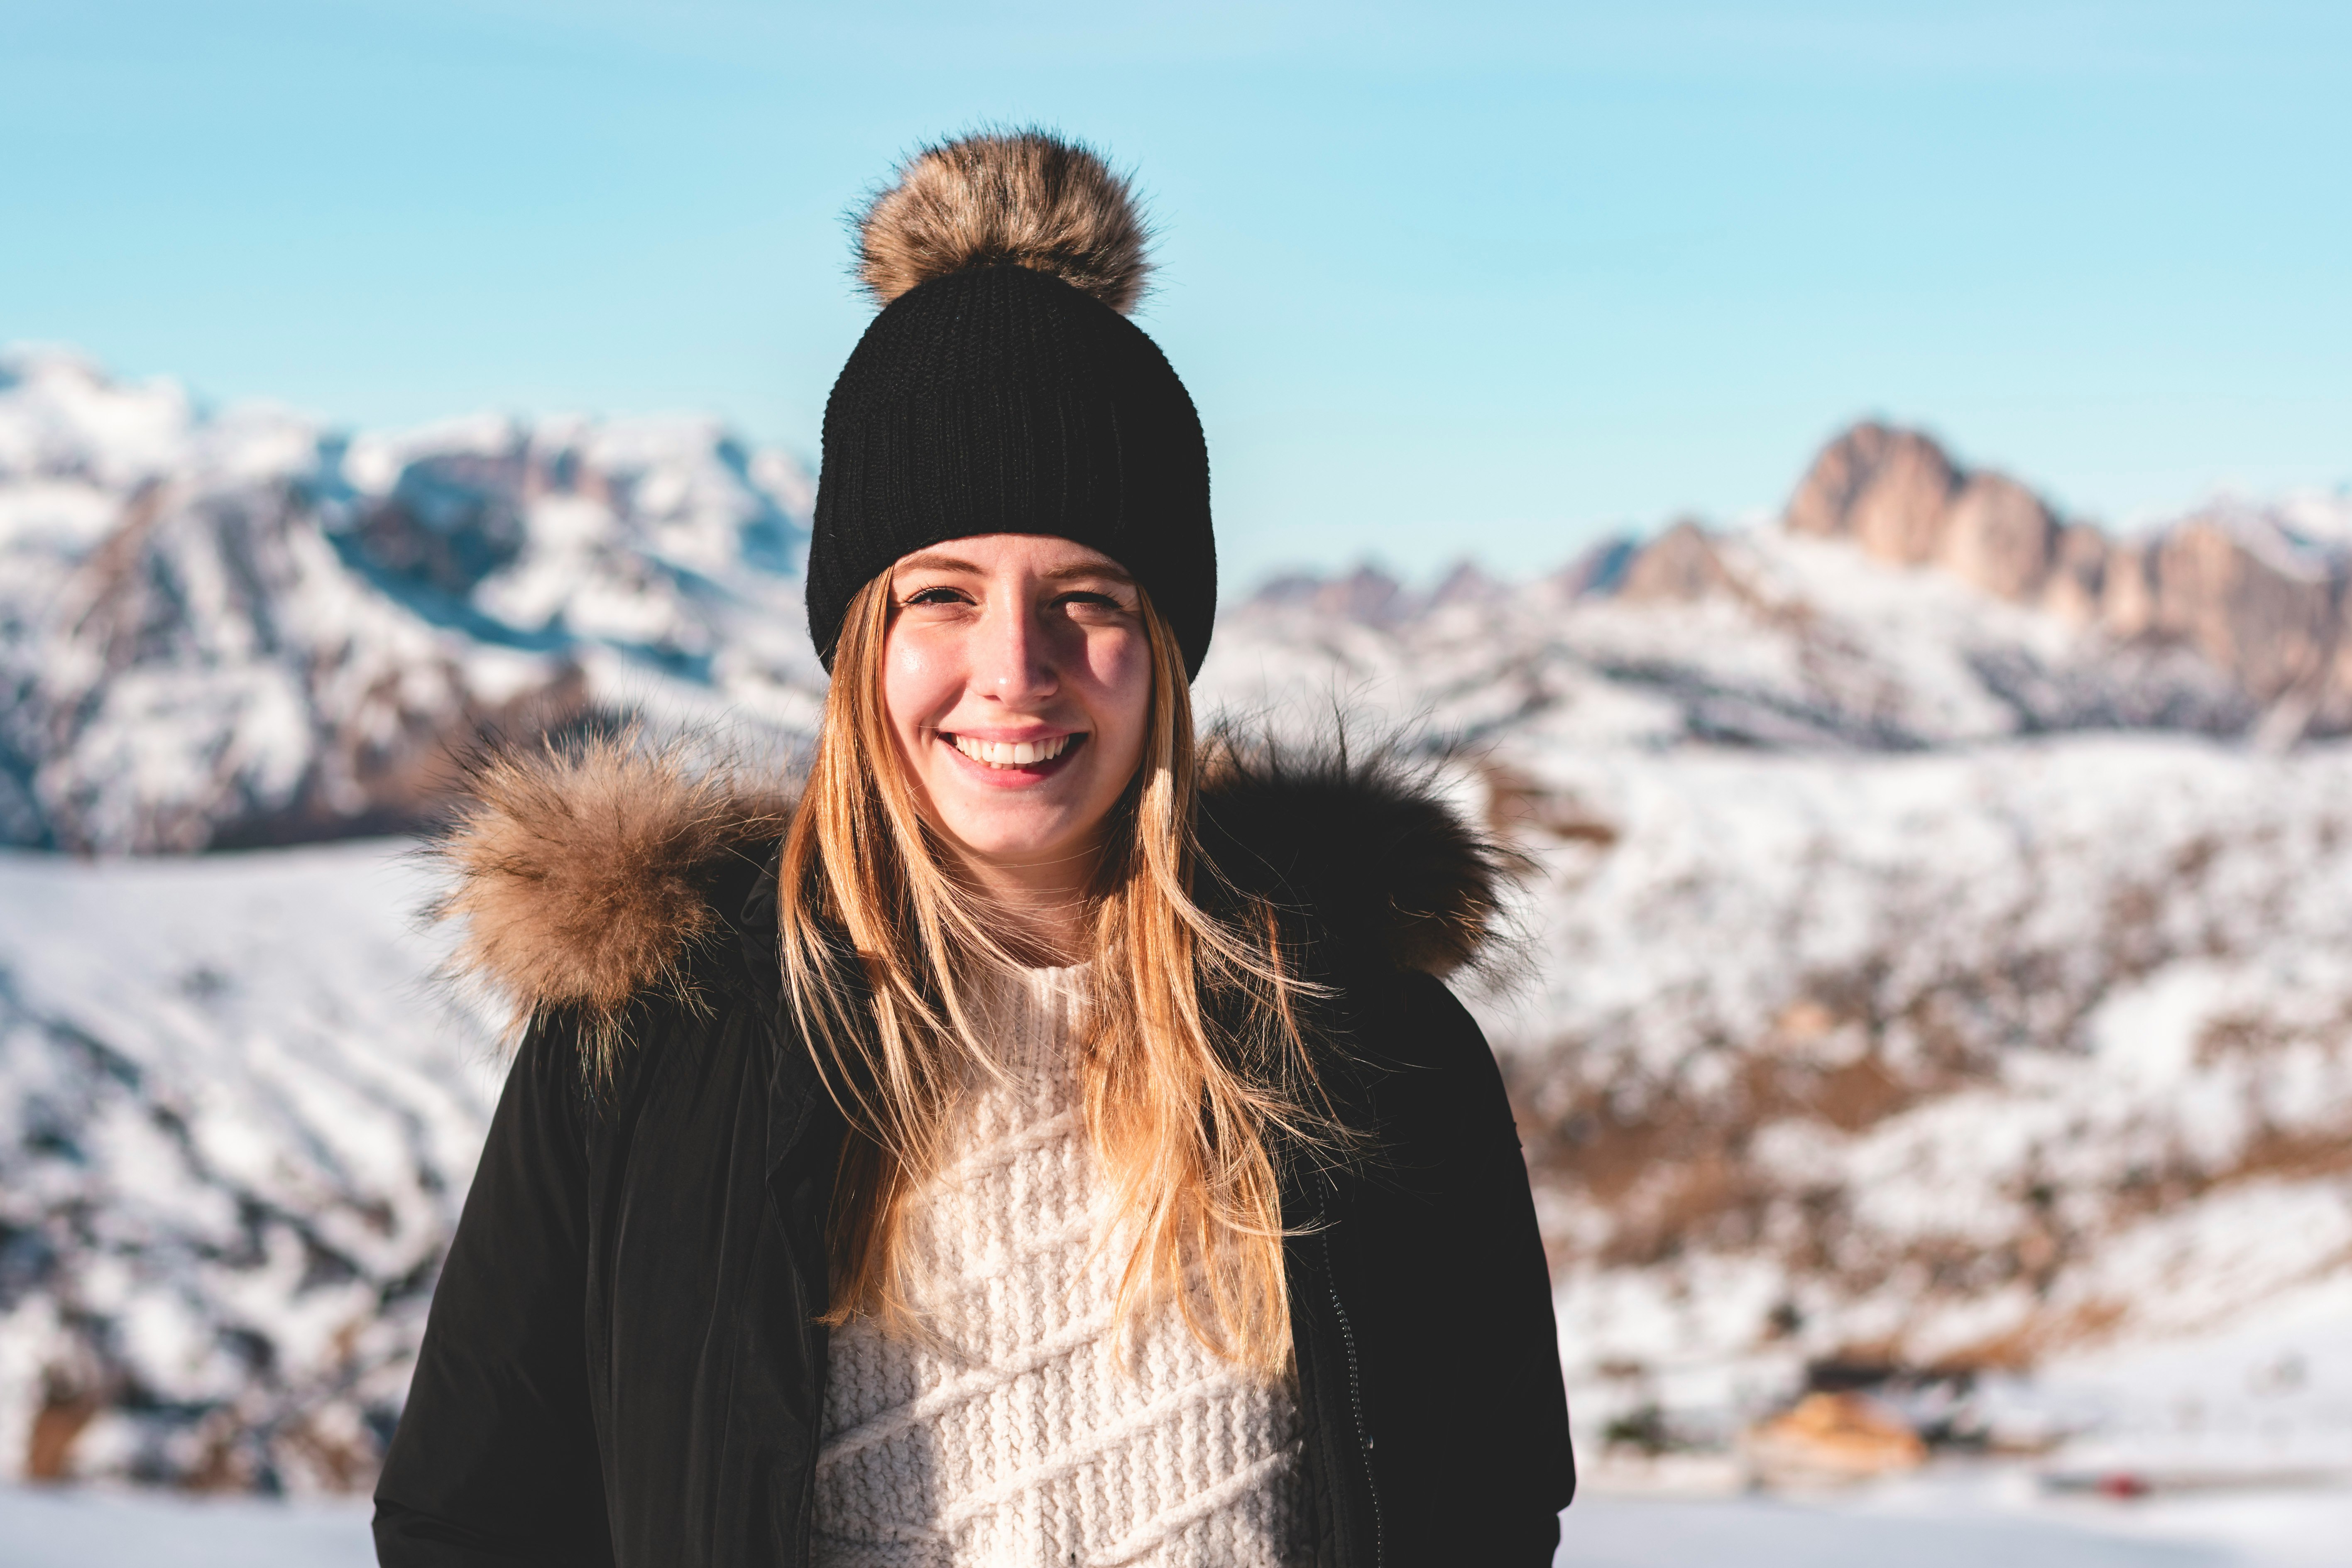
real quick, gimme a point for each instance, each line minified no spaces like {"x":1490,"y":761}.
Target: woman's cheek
{"x":916,"y":683}
{"x":1126,"y":689}
{"x":1122,"y":670}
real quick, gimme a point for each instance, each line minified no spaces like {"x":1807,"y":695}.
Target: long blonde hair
{"x":1196,"y":1052}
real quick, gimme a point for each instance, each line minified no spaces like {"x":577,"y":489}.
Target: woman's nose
{"x":1016,"y":660}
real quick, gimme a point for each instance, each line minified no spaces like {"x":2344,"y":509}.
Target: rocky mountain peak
{"x":2259,"y":593}
{"x":1680,"y":563}
{"x":1899,"y":496}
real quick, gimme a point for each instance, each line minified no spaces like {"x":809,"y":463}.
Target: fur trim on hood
{"x":1361,"y":838}
{"x":584,"y":873}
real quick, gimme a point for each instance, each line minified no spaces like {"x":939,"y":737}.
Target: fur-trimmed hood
{"x":584,"y":874}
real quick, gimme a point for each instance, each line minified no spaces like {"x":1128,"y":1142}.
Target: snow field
{"x":112,"y":1530}
{"x":241,"y":1124}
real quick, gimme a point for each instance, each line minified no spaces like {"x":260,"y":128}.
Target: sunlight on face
{"x":1017,"y":676}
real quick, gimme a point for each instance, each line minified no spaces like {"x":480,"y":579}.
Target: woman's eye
{"x":936,"y":596}
{"x":1087,"y":601}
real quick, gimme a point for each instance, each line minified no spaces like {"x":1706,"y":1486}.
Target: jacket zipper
{"x":806,"y":1544}
{"x":824,"y":1365}
{"x":1356,"y":1401}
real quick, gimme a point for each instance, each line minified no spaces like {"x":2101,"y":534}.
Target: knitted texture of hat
{"x":1001,"y":389}
{"x":1025,"y":1429}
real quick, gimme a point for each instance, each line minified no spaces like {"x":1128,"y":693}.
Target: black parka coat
{"x":622,"y":1365}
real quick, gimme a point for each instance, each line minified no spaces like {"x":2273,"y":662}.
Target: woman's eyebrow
{"x":932,"y":563}
{"x":1106,"y":569}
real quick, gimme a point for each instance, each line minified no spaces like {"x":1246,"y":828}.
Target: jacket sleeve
{"x":495,"y":1460}
{"x":1462,"y":1366}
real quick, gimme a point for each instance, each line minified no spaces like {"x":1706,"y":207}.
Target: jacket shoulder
{"x":1363,"y":841}
{"x":584,"y":874}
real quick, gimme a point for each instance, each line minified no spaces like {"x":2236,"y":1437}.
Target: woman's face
{"x":1016,"y":674}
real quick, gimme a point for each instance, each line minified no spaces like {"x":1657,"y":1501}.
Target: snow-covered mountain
{"x":1834,"y":629}
{"x":238,"y":628}
{"x":1941,"y":955}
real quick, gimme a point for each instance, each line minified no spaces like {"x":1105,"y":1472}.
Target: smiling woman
{"x":1049,"y":1140}
{"x":1017,"y":675}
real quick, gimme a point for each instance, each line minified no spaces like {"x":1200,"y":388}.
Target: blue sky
{"x":1444,"y":280}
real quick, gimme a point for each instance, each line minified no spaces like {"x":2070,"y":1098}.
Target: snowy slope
{"x":1968,"y":1061}
{"x":239,"y":1128}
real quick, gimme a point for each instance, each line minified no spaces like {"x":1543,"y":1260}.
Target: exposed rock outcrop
{"x":1900,"y":497}
{"x":1680,"y":563}
{"x":2241,"y":587}
{"x":2241,"y":595}
{"x":1888,"y":490}
{"x":1998,"y":535}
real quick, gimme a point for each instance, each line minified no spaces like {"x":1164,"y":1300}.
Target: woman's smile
{"x":1015,"y":762}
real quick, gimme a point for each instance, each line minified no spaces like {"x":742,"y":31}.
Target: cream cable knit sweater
{"x":1017,"y":1439}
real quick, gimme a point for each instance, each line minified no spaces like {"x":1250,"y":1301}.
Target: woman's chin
{"x":1027,"y":843}
{"x":1021,"y":829}
{"x":1012,"y":813}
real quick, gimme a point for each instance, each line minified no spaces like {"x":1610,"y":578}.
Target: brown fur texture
{"x":580,"y":872}
{"x":1025,"y":197}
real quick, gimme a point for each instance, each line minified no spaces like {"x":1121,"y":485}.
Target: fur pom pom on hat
{"x":1001,"y":389}
{"x":1024,"y":199}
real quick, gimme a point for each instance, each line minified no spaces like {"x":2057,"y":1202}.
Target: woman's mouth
{"x":1010,"y":756}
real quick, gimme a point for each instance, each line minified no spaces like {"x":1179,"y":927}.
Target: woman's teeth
{"x":1013,"y":753}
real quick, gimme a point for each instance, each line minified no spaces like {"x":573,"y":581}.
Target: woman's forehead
{"x":1043,"y":555}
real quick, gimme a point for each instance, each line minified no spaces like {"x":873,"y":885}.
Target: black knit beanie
{"x":1002,"y":388}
